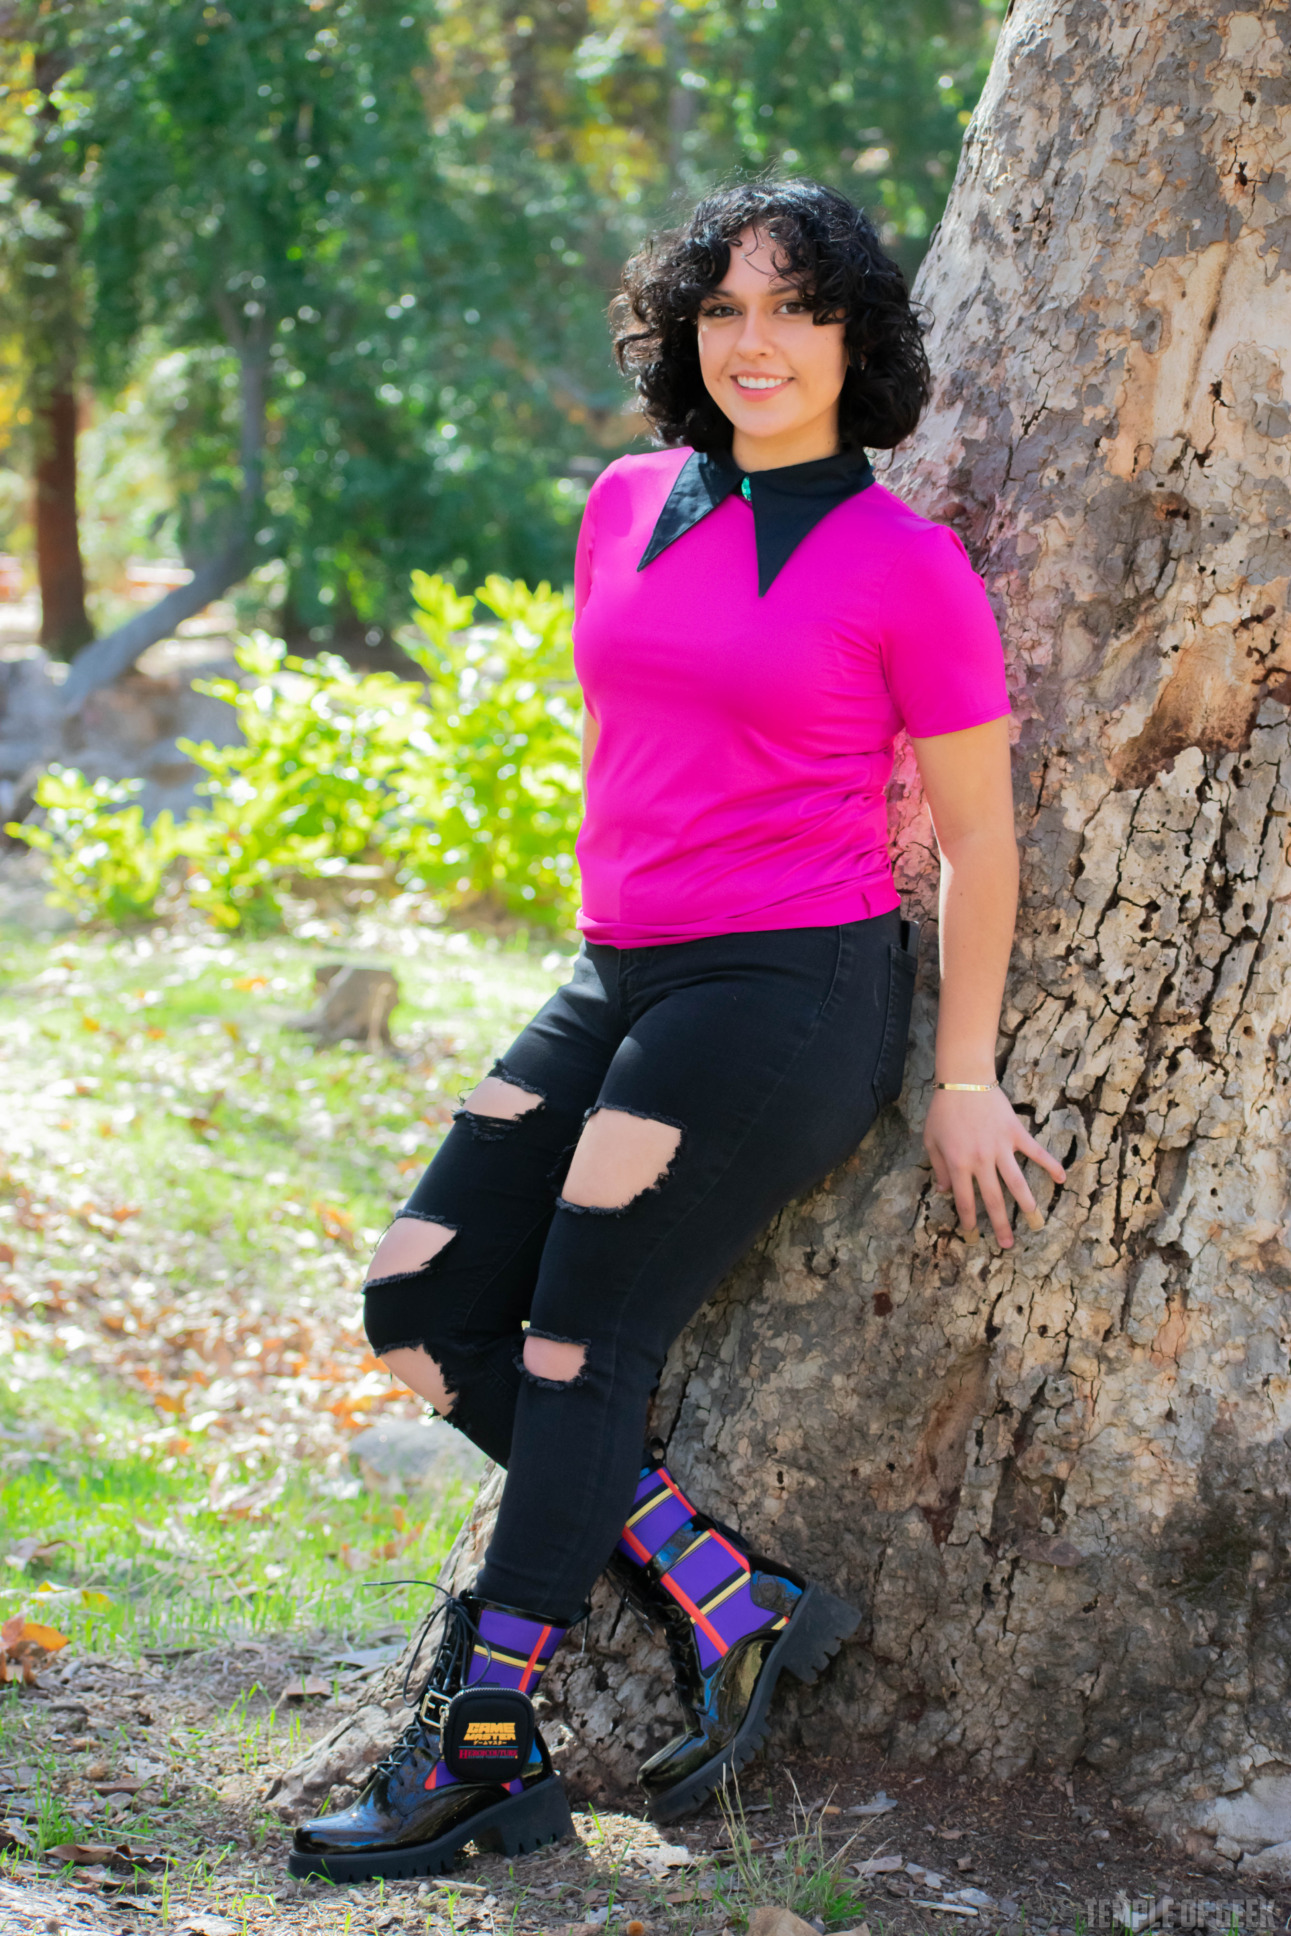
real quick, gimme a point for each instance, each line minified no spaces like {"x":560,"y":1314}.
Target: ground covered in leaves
{"x":155,"y":1770}
{"x":187,"y":1193}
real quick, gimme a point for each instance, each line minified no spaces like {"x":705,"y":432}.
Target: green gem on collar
{"x":746,"y":490}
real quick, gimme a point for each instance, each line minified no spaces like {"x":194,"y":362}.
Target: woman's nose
{"x":754,"y":336}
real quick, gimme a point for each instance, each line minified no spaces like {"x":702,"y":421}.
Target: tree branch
{"x":107,"y":658}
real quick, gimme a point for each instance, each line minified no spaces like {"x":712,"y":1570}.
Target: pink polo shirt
{"x":739,"y":780}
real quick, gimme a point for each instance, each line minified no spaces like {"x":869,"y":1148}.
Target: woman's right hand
{"x":973,"y":1140}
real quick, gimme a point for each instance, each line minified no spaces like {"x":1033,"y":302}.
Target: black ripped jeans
{"x":771,"y":1052}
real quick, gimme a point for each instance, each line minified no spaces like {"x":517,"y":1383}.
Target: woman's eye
{"x":718,"y":310}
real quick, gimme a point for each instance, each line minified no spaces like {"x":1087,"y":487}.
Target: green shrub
{"x":101,"y":856}
{"x":470,"y":788}
{"x":506,"y":715}
{"x":331,"y":769}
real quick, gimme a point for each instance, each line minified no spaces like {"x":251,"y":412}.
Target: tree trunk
{"x":64,"y":623}
{"x":47,"y":285}
{"x":1057,"y":1478}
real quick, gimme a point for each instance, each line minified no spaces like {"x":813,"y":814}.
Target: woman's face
{"x":768,"y":366}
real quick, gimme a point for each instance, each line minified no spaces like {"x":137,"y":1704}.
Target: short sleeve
{"x":583,"y":555}
{"x":942,"y":654}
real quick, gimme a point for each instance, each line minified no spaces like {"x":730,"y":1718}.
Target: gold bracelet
{"x":972,"y":1088}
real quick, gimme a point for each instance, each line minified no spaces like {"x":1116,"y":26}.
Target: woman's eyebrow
{"x":773,"y":289}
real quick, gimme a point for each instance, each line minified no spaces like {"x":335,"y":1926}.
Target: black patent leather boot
{"x":734,"y":1622}
{"x":439,"y":1787}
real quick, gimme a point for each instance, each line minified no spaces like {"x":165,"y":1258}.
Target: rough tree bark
{"x":1057,"y":1478}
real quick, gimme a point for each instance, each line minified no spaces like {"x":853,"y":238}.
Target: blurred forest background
{"x":301,"y":295}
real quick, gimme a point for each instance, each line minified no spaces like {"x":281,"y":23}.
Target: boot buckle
{"x":432,"y":1707}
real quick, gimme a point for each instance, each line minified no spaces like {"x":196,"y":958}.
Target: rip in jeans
{"x":650,"y":1188}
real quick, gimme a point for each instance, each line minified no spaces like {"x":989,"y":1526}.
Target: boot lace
{"x":446,"y":1676}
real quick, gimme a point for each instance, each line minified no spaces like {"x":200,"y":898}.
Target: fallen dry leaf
{"x":36,"y":1547}
{"x":879,"y":1865}
{"x":24,"y":1646}
{"x":33,"y":1634}
{"x":309,"y":1684}
{"x":775,"y":1920}
{"x":121,"y":1856}
{"x":129,"y":1786}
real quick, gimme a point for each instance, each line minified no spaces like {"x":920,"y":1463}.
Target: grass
{"x":152,"y":1559}
{"x":800,"y":1873}
{"x":189,"y":1195}
{"x":165,"y":1063}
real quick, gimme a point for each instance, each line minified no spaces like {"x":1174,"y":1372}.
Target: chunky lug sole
{"x":817,"y":1628}
{"x":515,"y":1826}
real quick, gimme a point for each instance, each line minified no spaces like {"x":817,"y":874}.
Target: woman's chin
{"x":762,"y":429}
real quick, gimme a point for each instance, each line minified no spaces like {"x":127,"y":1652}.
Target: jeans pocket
{"x":889,"y":1070}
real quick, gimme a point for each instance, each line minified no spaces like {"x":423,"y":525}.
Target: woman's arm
{"x":591,"y":733}
{"x":973,"y":1139}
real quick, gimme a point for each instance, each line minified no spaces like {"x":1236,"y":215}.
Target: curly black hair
{"x":831,"y":250}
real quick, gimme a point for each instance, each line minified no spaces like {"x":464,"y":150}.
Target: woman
{"x":756,"y":618}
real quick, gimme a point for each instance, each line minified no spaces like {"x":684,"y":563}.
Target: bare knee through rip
{"x":409,"y":1245}
{"x":414,"y":1367}
{"x":555,"y":1359}
{"x":500,"y":1099}
{"x":618,"y":1158}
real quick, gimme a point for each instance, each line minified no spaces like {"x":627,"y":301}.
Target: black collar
{"x":787,"y":503}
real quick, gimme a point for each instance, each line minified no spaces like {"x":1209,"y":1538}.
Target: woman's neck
{"x":801,"y":445}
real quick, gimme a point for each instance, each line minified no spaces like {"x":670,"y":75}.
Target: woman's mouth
{"x":757,"y":384}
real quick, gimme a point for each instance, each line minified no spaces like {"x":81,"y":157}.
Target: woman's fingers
{"x":978,"y":1155}
{"x":965,"y":1202}
{"x":1017,"y":1183}
{"x":988,"y":1183}
{"x":941,"y":1175}
{"x":1039,"y":1154}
